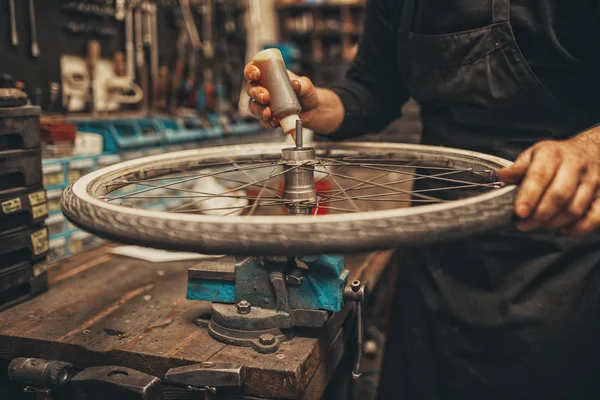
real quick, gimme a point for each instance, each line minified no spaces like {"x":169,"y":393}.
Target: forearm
{"x":328,"y":115}
{"x":590,"y":138}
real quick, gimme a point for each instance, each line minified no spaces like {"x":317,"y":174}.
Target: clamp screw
{"x":267,"y":339}
{"x":243,"y":307}
{"x":355,"y":285}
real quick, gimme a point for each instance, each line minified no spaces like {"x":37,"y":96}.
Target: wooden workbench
{"x":104,"y":309}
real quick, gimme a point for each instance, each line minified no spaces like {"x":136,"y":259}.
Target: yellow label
{"x":40,"y":269}
{"x":39,"y":211}
{"x":37,"y":198}
{"x":54,"y":205}
{"x":39,"y":241}
{"x":73,"y":175}
{"x":11,"y":206}
{"x":75,"y":246}
{"x":53,"y":179}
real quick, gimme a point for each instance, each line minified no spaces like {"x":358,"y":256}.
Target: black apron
{"x":506,"y":315}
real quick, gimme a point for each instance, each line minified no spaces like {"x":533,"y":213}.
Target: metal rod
{"x":299,"y":138}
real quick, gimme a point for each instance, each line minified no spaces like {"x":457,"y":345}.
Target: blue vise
{"x":273,"y":283}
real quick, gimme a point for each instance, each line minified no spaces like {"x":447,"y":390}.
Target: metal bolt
{"x":355,"y":286}
{"x":243,"y":307}
{"x":267,"y":339}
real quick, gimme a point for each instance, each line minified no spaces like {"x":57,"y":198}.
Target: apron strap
{"x":407,"y":13}
{"x":500,"y":11}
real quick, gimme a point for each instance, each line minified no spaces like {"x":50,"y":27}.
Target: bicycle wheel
{"x":353,"y":197}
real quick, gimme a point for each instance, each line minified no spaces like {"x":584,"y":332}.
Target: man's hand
{"x":305,"y":90}
{"x":559,"y":185}
{"x":322,"y":109}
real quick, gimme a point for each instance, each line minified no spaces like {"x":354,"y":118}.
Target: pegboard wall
{"x":55,"y":39}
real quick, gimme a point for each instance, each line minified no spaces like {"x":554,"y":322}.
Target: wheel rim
{"x":97,"y":190}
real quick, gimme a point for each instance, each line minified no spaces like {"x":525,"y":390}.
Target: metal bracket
{"x":356,"y":292}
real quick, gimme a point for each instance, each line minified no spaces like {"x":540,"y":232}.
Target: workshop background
{"x":121,"y":79}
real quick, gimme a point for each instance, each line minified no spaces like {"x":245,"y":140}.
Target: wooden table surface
{"x":104,"y":309}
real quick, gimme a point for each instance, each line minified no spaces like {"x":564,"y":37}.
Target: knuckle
{"x":544,"y":212}
{"x":559,"y":198}
{"x":538,"y":175}
{"x":575,"y":212}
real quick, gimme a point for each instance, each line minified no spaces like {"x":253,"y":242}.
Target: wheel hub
{"x":299,"y":179}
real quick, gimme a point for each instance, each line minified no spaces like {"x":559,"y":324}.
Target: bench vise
{"x":258,"y":300}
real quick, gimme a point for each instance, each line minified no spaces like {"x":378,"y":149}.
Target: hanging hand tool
{"x":35,"y":47}
{"x":92,"y":63}
{"x":139,"y":55}
{"x":154,"y":68}
{"x":207,"y":29}
{"x":129,"y":49}
{"x":14,"y":35}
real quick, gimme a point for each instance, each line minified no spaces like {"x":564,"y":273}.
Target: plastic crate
{"x":20,"y":128}
{"x":22,"y":282}
{"x":80,"y":167}
{"x":19,"y":211}
{"x":108,"y":159}
{"x":123,"y":134}
{"x":29,"y":244}
{"x":54,"y":174}
{"x":80,"y":241}
{"x":210,"y":128}
{"x":20,"y":170}
{"x":57,"y":248}
{"x":56,"y":224}
{"x":132,"y":155}
{"x":176,"y":131}
{"x":54,"y":197}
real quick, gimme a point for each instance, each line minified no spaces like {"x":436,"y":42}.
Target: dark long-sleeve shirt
{"x":560,"y":40}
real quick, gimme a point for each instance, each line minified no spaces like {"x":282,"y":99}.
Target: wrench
{"x":35,"y":47}
{"x":14,"y":36}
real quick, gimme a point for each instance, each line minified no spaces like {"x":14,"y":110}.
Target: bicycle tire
{"x":298,"y":235}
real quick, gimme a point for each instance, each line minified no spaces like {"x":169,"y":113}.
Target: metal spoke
{"x":346,"y":194}
{"x":226,"y":208}
{"x":238,"y":188}
{"x":199,"y":175}
{"x":265,"y":185}
{"x":412,"y":179}
{"x":384,"y":186}
{"x":359,"y":163}
{"x":200,"y":196}
{"x":338,"y":209}
{"x":270,"y":188}
{"x":422,"y":175}
{"x":167,"y":185}
{"x":261,"y":192}
{"x":198,"y":193}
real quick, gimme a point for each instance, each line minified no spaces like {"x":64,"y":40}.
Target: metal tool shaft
{"x":129,"y":47}
{"x":35,"y":47}
{"x":14,"y":35}
{"x":299,"y":137}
